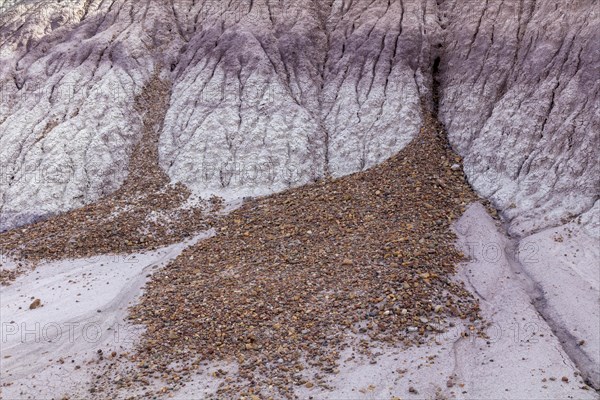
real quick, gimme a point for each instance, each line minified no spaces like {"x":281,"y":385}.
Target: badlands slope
{"x":266,"y":95}
{"x":125,"y":117}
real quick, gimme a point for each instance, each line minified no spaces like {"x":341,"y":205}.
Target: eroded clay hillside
{"x":264,"y":95}
{"x":520,"y":95}
{"x":124,"y":124}
{"x":267,"y":95}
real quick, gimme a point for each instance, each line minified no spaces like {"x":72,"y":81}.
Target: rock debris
{"x":289,"y":279}
{"x":145,"y":213}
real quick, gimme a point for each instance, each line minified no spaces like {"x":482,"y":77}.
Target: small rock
{"x":35,"y":304}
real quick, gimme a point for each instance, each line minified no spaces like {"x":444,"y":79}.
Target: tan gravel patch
{"x":145,"y":213}
{"x":288,"y":278}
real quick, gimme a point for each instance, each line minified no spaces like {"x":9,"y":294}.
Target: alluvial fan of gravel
{"x":144,"y":213}
{"x":289,"y":278}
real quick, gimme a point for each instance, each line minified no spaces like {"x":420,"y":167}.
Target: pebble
{"x":35,"y":304}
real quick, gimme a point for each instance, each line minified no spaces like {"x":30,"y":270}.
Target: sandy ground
{"x":51,"y":351}
{"x":85,"y":302}
{"x":564,"y":264}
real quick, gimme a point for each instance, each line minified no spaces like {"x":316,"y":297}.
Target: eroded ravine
{"x":257,"y":98}
{"x":147,"y":212}
{"x":517,"y":245}
{"x":565,"y":329}
{"x":272,"y":95}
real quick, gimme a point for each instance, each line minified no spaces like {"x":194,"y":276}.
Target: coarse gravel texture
{"x":147,"y":212}
{"x":51,"y":351}
{"x":289,"y":278}
{"x":255,"y":97}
